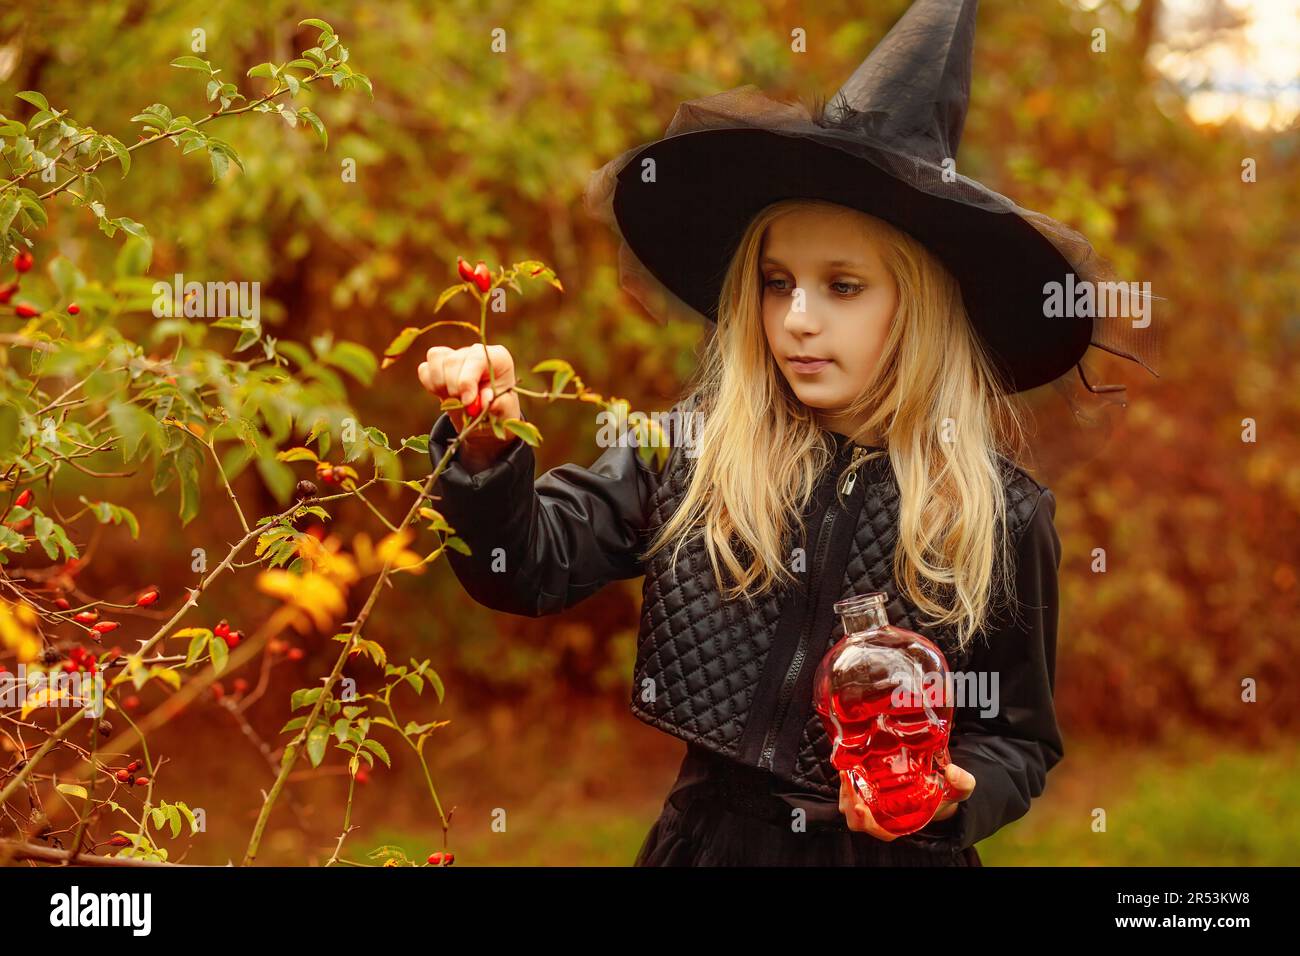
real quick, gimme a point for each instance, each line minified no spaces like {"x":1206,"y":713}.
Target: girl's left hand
{"x":859,"y":816}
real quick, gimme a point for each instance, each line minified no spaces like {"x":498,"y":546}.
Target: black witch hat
{"x":885,"y":144}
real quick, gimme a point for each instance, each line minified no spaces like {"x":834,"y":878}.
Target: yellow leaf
{"x":17,"y":630}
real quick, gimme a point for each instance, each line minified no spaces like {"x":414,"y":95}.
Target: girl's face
{"x":841,"y":317}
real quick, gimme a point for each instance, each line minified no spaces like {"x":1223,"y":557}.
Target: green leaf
{"x":378,"y":749}
{"x":357,"y":360}
{"x":121,"y":152}
{"x":197,"y":643}
{"x":192,"y":63}
{"x":262,"y":70}
{"x":9,"y":207}
{"x":220,"y":164}
{"x":305,"y":697}
{"x":134,"y":257}
{"x":36,"y":99}
{"x":525,"y":430}
{"x":219,"y":651}
{"x":73,"y":790}
{"x":316,"y":124}
{"x":297,"y":723}
{"x":399,"y":345}
{"x":320,"y":25}
{"x":317,"y":738}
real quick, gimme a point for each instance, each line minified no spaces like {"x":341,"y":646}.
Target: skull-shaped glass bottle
{"x":882,"y":693}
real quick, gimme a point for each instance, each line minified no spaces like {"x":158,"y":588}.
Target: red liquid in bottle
{"x":880,"y":693}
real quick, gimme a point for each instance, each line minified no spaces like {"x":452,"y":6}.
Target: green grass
{"x":1169,"y":807}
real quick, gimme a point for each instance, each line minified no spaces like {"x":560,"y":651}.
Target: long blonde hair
{"x":936,"y":400}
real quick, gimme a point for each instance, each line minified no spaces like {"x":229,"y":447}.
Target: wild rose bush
{"x":105,"y":376}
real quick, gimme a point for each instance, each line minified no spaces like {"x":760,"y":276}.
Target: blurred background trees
{"x":466,"y":151}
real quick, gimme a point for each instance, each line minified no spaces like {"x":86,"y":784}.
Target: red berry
{"x":218,"y":691}
{"x":119,"y":840}
{"x":25,"y":498}
{"x":131,"y":703}
{"x":222,"y":629}
{"x":233,"y":638}
{"x":435,"y":858}
{"x":482,"y":276}
{"x":296,"y":654}
{"x":25,"y":310}
{"x":74,"y":309}
{"x":141,"y":781}
{"x":7,"y":292}
{"x":134,"y":765}
{"x":103,"y":627}
{"x":24,"y":261}
{"x":62,"y":603}
{"x":474,"y":407}
{"x":70,"y":667}
{"x":450,"y":858}
{"x":147,"y":598}
{"x":124,"y":776}
{"x":86,"y":617}
{"x":241,"y":685}
{"x":465,"y":270}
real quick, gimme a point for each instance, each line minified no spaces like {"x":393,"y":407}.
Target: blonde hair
{"x":936,"y":399}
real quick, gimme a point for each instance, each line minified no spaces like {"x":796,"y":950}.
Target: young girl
{"x":851,"y":431}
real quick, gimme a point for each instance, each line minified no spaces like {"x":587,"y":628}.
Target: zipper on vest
{"x":859,"y":453}
{"x":768,"y":753}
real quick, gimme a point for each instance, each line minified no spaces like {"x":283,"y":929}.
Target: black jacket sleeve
{"x":540,"y":546}
{"x":1010,"y":752}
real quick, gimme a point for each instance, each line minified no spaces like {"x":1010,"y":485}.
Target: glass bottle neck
{"x":864,"y":619}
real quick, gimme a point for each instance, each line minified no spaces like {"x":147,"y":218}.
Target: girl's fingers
{"x":857,"y":814}
{"x":431,"y":370}
{"x":961,"y":781}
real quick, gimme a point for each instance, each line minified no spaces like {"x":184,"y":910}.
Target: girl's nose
{"x":801,"y":321}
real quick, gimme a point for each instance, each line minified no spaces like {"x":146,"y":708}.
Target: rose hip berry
{"x":24,"y":261}
{"x":86,"y":617}
{"x":147,"y":598}
{"x":222,"y":630}
{"x":103,"y":627}
{"x":124,"y":776}
{"x":482,"y":276}
{"x":233,"y":638}
{"x":465,"y":270}
{"x":24,"y":499}
{"x":74,"y":309}
{"x":25,"y":310}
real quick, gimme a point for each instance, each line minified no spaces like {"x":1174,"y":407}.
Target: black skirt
{"x":723,"y":813}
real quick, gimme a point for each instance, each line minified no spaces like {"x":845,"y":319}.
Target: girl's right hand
{"x":463,"y":373}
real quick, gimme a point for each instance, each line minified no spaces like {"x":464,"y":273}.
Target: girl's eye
{"x":849,"y":288}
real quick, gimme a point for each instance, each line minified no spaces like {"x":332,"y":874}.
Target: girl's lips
{"x":808,"y":368}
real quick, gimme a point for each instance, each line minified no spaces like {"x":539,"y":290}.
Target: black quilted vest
{"x":736,"y":676}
